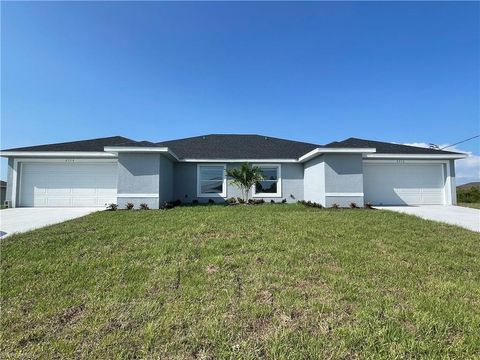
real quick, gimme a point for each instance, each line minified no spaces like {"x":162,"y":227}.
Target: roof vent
{"x":203,"y":137}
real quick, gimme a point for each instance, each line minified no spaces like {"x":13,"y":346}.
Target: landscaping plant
{"x":245,"y":178}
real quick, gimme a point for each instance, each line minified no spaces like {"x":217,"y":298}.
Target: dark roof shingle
{"x":232,"y":146}
{"x":384,"y":147}
{"x":216,"y":146}
{"x":82,"y":145}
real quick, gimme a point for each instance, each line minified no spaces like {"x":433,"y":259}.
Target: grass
{"x":470,"y":205}
{"x":269,"y":281}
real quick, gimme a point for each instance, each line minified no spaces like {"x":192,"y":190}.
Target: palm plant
{"x":245,"y":177}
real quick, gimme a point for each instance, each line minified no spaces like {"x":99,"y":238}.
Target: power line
{"x":474,"y":137}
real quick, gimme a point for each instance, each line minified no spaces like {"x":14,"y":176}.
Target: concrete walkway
{"x":467,"y":218}
{"x":24,"y":219}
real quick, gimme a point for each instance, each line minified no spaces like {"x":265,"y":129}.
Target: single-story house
{"x":118,"y":170}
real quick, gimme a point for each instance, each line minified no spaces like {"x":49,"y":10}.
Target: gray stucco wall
{"x":9,"y":179}
{"x":166,"y":180}
{"x":334,"y":179}
{"x":314,"y":180}
{"x":453,"y":182}
{"x":343,"y":179}
{"x":185,"y":183}
{"x":138,"y":173}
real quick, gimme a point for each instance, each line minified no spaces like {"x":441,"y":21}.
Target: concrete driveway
{"x":24,"y":219}
{"x":467,"y":218}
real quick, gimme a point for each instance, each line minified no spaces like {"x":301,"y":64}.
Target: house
{"x":118,"y":170}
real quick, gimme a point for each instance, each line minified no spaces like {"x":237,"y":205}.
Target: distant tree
{"x":245,"y":177}
{"x":469,"y":195}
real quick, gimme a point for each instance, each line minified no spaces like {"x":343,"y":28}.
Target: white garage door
{"x":68,"y":184}
{"x":403,"y":184}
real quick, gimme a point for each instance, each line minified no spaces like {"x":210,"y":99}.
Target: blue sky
{"x":317,"y":72}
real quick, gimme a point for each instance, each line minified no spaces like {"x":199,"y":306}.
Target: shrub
{"x":272,"y":201}
{"x":284,"y":201}
{"x":177,"y":202}
{"x":144,"y":206}
{"x":240,"y":200}
{"x":335,"y":206}
{"x":353,"y":205}
{"x":168,"y":205}
{"x":195,"y":202}
{"x":368,"y":206}
{"x":470,"y":195}
{"x":310,"y":204}
{"x":231,"y":201}
{"x":129,"y":206}
{"x":112,"y":207}
{"x":210,"y":201}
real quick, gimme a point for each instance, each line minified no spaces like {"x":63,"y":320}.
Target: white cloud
{"x":466,"y":170}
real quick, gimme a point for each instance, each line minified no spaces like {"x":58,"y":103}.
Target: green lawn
{"x":470,"y":205}
{"x":267,"y":281}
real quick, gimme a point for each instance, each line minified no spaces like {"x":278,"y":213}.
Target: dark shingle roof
{"x":237,"y":147}
{"x":232,"y":146}
{"x":83,"y":145}
{"x":385,"y":147}
{"x":3,"y":183}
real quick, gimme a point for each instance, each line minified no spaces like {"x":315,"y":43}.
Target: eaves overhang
{"x":56,"y":154}
{"x":320,"y":151}
{"x":415,"y":156}
{"x":141,"y":149}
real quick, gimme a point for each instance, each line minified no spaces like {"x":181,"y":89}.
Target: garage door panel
{"x":403,"y":184}
{"x":68,"y":184}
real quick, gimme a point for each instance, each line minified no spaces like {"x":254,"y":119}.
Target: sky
{"x":310,"y":71}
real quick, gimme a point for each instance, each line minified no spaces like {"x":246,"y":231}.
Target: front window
{"x":270,"y":186}
{"x":211,"y":181}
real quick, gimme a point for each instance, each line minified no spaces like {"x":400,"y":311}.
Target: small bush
{"x":310,"y":204}
{"x":144,"y":206}
{"x":195,"y":202}
{"x":368,"y":206}
{"x":256,"y":201}
{"x":112,"y":207}
{"x":231,"y":201}
{"x":168,"y":205}
{"x":284,"y":201}
{"x":129,"y":206}
{"x":177,"y":202}
{"x":353,"y":205}
{"x":210,"y":201}
{"x":335,"y":206}
{"x":272,"y":201}
{"x":240,"y":200}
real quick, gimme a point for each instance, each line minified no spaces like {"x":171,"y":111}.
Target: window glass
{"x":211,"y":179}
{"x":270,"y":183}
{"x":266,"y":187}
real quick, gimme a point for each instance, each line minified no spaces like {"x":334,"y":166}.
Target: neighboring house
{"x":3,"y":192}
{"x":119,"y":170}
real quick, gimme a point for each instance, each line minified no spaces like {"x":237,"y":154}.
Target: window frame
{"x":223,"y":194}
{"x":278,"y":194}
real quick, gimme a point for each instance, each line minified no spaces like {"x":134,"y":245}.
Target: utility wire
{"x":474,"y":137}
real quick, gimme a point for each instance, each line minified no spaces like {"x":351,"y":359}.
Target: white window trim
{"x":223,"y":194}
{"x":278,"y":194}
